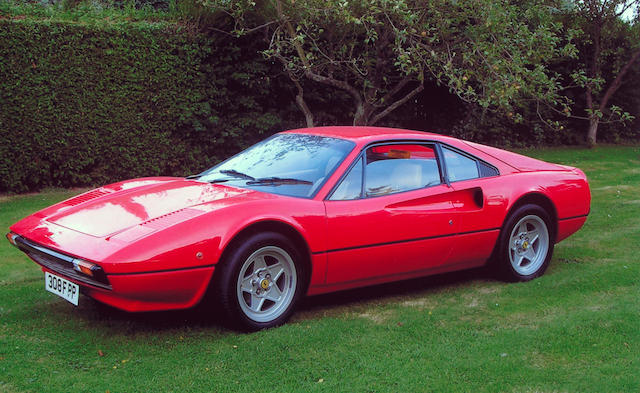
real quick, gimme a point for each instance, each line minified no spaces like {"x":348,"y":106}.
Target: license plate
{"x":61,"y":287}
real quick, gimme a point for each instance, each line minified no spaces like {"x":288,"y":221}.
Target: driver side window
{"x":389,"y":169}
{"x":397,"y":168}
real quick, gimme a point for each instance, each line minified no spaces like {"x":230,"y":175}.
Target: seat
{"x":395,"y":175}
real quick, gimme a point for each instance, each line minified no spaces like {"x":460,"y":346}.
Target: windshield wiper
{"x":276,"y":181}
{"x":239,"y":175}
{"x":194,"y":177}
{"x":232,"y":173}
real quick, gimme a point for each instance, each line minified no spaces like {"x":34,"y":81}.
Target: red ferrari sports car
{"x":306,"y":212}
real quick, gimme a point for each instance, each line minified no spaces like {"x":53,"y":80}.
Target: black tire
{"x":257,"y":258}
{"x":518,"y":256}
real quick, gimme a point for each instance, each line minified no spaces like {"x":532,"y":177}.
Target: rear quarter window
{"x":459,"y":166}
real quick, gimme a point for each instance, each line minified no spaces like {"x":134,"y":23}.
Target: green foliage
{"x":86,"y":12}
{"x":93,"y":103}
{"x":502,"y":131}
{"x":491,"y":53}
{"x":607,"y":47}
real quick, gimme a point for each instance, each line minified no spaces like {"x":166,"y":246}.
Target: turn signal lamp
{"x":12,"y":238}
{"x":84,"y":267}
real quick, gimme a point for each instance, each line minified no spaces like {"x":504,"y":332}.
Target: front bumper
{"x":145,"y":291}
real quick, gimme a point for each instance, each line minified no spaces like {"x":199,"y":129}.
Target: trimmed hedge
{"x":89,"y":104}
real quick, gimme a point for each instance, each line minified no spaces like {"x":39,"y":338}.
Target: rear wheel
{"x":526,"y":244}
{"x":260,"y":281}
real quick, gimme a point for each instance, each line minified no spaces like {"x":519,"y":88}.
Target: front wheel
{"x":526,"y":244}
{"x":260,"y":281}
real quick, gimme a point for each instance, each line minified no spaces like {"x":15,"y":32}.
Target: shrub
{"x":92,"y":103}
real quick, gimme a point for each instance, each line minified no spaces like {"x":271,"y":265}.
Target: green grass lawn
{"x":576,"y":329}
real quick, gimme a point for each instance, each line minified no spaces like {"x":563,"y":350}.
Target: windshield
{"x":286,"y":164}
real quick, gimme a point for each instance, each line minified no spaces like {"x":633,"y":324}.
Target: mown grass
{"x":576,"y":329}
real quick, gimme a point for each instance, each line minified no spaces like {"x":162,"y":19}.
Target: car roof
{"x":366,"y":134}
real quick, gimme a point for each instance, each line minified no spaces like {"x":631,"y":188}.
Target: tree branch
{"x":292,"y":34}
{"x":618,"y":81}
{"x":387,"y":97}
{"x":335,"y":83}
{"x":262,"y":26}
{"x":396,"y":104}
{"x":625,"y":7}
{"x":302,"y":104}
{"x":308,"y":115}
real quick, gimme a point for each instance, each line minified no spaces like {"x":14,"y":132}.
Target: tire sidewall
{"x":504,"y":263}
{"x":229,"y":270}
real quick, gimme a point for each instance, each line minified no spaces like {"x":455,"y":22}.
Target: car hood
{"x":111,"y":209}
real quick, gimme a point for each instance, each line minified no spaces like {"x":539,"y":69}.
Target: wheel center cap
{"x":525,"y":245}
{"x":264,"y":284}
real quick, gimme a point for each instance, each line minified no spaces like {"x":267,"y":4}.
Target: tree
{"x":381,"y":52}
{"x":608,"y":51}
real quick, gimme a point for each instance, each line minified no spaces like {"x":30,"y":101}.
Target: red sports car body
{"x":371,"y":205}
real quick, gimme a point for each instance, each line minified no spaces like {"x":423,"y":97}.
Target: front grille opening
{"x":60,"y":263}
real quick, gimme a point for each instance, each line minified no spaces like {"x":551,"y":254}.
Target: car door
{"x":477,"y":205}
{"x":390,"y":215}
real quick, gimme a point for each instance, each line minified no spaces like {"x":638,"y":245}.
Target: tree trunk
{"x":593,"y":130}
{"x":360,"y":118}
{"x":615,"y":85}
{"x":308,"y":115}
{"x":595,"y":71}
